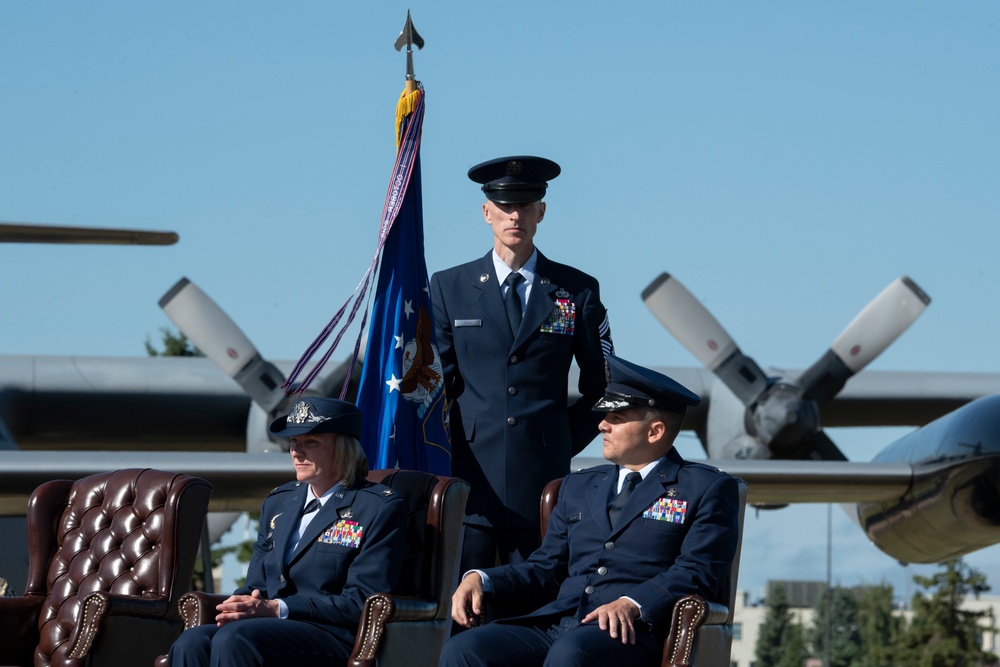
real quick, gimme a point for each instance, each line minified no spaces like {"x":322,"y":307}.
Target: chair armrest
{"x":689,"y":614}
{"x":19,"y":628}
{"x":380,"y":609}
{"x":99,"y":604}
{"x":718,"y":614}
{"x":374,"y":615}
{"x":407,"y":608}
{"x":198,"y":608}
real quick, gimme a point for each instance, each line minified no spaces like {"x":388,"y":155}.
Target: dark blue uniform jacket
{"x":352,"y":548}
{"x":677,"y":535}
{"x":511,"y":431}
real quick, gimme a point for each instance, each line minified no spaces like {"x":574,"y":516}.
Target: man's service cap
{"x":319,"y":415}
{"x":631,"y":385}
{"x":518,"y":179}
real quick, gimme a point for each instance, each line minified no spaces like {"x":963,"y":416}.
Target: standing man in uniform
{"x":624,"y":543}
{"x":509,"y":325}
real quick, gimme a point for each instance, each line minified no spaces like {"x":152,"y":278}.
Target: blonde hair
{"x":349,"y":460}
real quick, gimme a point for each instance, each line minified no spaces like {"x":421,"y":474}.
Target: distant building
{"x":803,"y":596}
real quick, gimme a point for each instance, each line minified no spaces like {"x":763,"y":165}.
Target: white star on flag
{"x":393,"y":383}
{"x":408,"y":308}
{"x":399,"y":342}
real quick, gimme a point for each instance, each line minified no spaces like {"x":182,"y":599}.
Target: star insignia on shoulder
{"x":388,"y":492}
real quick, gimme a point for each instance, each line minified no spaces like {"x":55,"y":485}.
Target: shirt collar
{"x":528,"y":270}
{"x":622,"y":471}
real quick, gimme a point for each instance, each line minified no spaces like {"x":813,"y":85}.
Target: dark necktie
{"x":512,"y":302}
{"x":311,"y":506}
{"x":628,"y":487}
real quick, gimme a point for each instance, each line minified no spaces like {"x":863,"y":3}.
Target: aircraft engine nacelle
{"x":953,"y":504}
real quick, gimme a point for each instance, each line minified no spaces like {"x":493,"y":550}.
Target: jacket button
{"x":513,"y":359}
{"x":512,"y":391}
{"x":281,"y":578}
{"x":511,"y":421}
{"x":589,"y":590}
{"x":609,"y":545}
{"x":602,"y":570}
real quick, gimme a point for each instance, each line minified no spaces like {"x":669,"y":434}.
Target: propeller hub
{"x":782,"y":418}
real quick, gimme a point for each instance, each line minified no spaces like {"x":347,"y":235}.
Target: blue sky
{"x":784,"y":160}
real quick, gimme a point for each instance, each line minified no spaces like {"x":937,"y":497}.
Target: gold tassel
{"x":407,"y":103}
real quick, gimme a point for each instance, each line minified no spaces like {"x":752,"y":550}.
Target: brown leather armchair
{"x":409,"y":627}
{"x":108,"y":558}
{"x":698,"y":628}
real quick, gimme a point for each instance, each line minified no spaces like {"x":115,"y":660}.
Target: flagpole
{"x":409,"y":37}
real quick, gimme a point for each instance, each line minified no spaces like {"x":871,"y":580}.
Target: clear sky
{"x":784,"y":160}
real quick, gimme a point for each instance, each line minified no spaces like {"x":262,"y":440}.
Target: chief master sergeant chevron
{"x":508,"y":326}
{"x":624,"y":543}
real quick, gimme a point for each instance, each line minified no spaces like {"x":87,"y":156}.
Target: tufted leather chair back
{"x":121,"y":533}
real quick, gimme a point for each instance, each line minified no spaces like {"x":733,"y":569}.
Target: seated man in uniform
{"x":624,"y":543}
{"x":326,"y":542}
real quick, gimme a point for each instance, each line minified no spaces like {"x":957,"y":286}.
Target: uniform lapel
{"x":489,"y":299}
{"x":286,"y":522}
{"x":648,"y":491}
{"x":540,"y":304}
{"x":599,"y":497}
{"x":328,"y":514}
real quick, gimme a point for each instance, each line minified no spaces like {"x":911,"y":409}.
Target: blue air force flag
{"x":402,"y":384}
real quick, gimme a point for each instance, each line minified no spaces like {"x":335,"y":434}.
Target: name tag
{"x":468,"y":323}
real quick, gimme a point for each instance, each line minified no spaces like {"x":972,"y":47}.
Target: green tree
{"x":174,"y":345}
{"x":845,"y":639}
{"x":779,"y":640}
{"x":878,"y":629}
{"x":941,"y":633}
{"x":793,"y":651}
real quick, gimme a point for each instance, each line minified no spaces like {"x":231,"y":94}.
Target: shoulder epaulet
{"x":288,"y":486}
{"x":596,"y":470}
{"x":380,"y":490}
{"x":705,"y":466}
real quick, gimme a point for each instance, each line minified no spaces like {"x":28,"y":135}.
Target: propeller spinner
{"x":781,"y":415}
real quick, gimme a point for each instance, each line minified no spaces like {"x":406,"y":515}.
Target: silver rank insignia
{"x":302,"y":413}
{"x":671,"y":492}
{"x":562,"y":294}
{"x":347,"y":513}
{"x":387,"y":492}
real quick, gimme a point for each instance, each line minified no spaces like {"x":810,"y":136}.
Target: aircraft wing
{"x":784,"y":482}
{"x":241,"y":481}
{"x":870,"y":398}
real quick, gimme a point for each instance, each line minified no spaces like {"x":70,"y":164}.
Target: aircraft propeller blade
{"x":221,"y":340}
{"x":18,"y":232}
{"x":696,"y":329}
{"x":868,"y":335}
{"x":782,"y":414}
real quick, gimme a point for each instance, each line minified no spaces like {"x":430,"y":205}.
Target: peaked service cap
{"x":319,"y":415}
{"x":517,"y":179}
{"x":631,"y":385}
